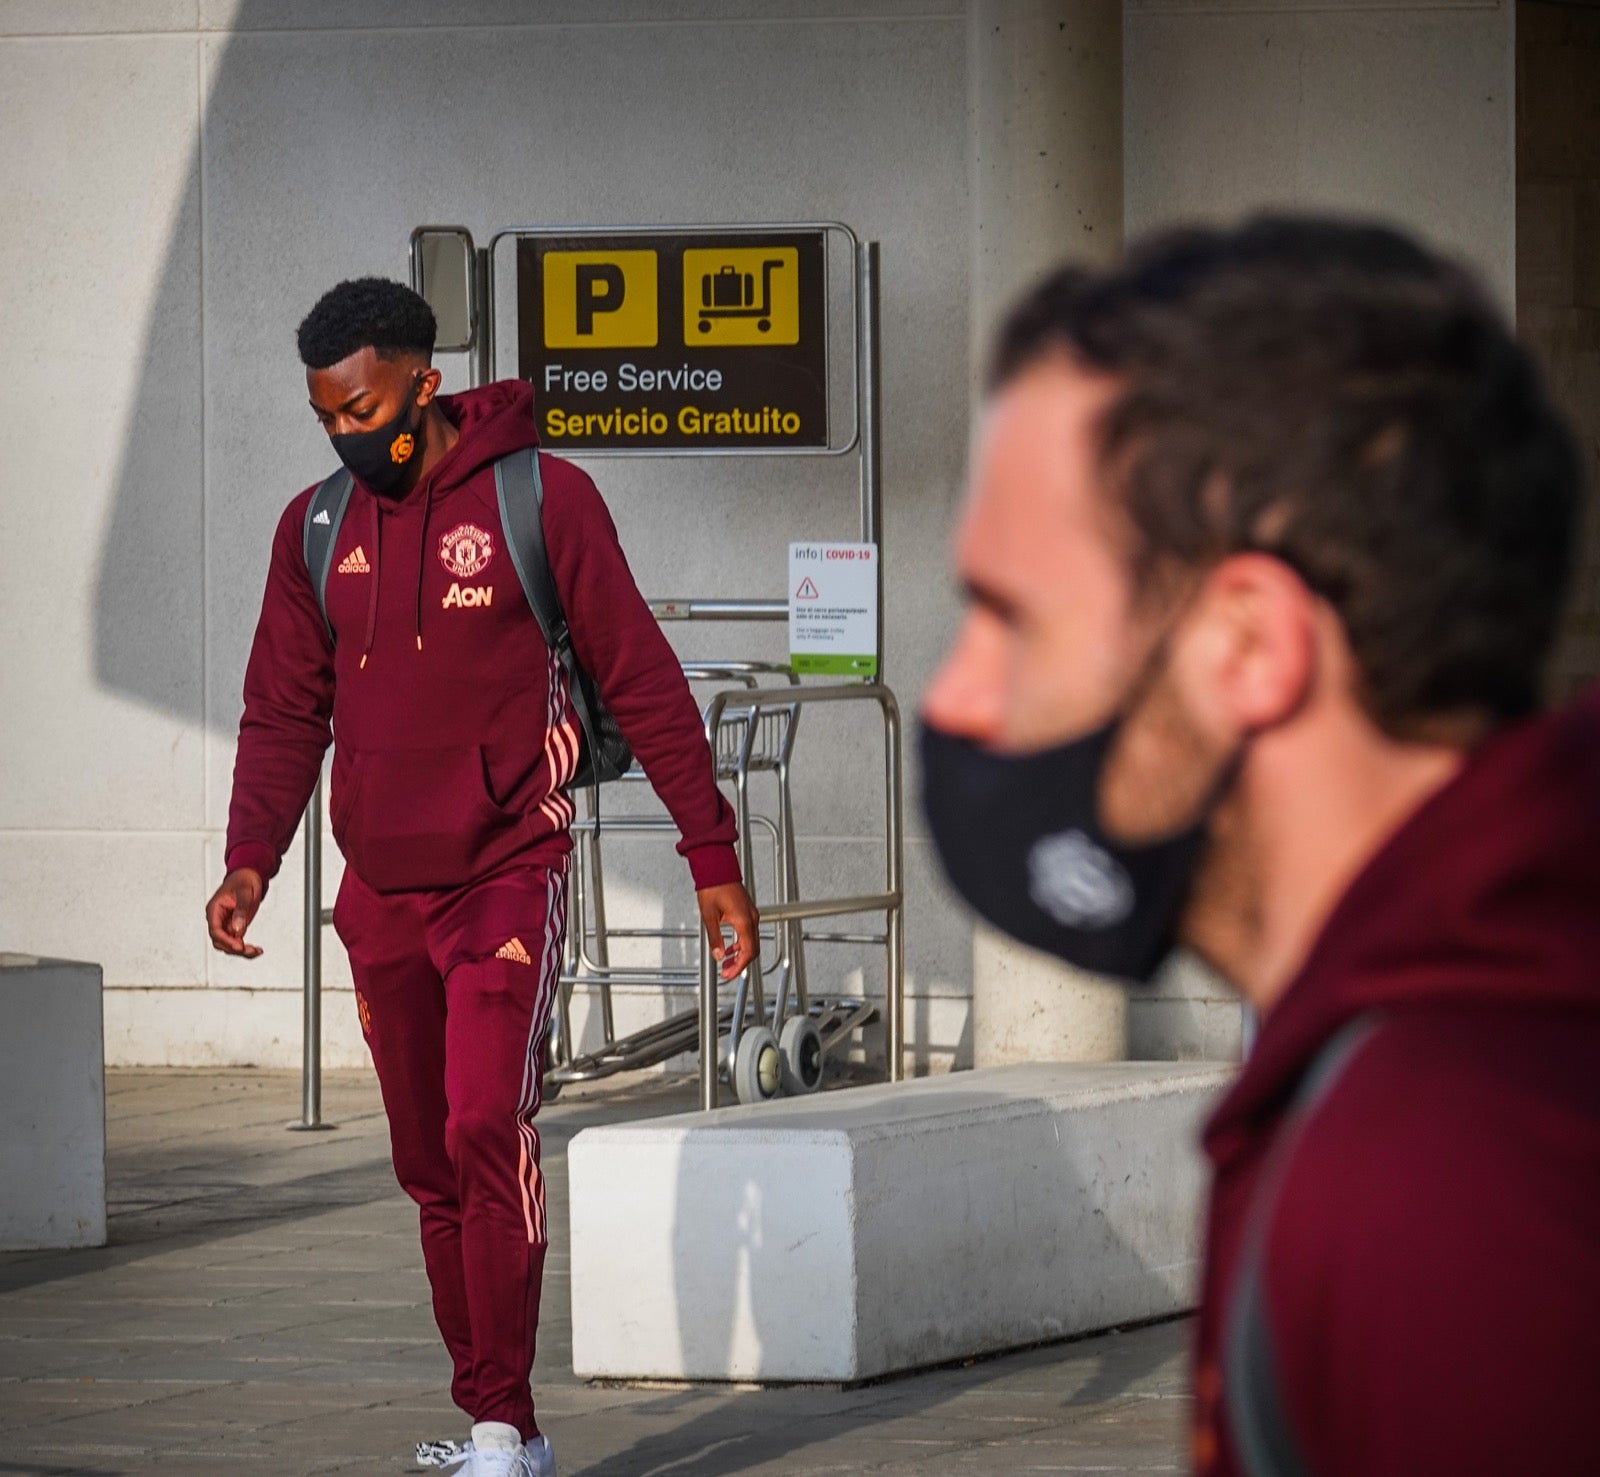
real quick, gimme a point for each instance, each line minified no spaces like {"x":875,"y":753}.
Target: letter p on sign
{"x":600,"y":300}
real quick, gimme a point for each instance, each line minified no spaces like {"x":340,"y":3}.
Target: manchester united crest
{"x":466,"y":550}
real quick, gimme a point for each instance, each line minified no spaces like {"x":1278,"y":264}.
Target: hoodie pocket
{"x":424,"y":819}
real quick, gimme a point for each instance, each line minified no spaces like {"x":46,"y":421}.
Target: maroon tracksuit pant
{"x":455,"y":991}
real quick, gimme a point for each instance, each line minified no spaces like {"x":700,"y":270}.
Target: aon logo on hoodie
{"x":467,"y":597}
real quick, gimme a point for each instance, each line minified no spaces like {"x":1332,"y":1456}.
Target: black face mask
{"x":1021,"y":841}
{"x":379,"y":459}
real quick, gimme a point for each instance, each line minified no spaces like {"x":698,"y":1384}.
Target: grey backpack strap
{"x":519,"y":490}
{"x":1257,"y":1416}
{"x":603,"y":752}
{"x":324,"y":514}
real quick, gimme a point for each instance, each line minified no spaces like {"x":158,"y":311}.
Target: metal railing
{"x":311,"y":986}
{"x":867,"y":407}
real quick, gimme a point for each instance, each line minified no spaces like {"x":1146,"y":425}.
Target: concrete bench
{"x":52,"y":1104}
{"x":846,"y":1236}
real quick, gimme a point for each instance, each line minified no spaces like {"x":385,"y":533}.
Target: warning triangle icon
{"x":807,"y":590}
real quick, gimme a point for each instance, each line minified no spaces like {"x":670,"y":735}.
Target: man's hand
{"x":731,"y":904}
{"x":230,"y":910}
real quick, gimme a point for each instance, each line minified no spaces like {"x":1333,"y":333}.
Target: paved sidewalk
{"x":262,"y":1308}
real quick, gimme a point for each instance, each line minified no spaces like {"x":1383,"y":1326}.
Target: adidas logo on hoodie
{"x":355,"y":562}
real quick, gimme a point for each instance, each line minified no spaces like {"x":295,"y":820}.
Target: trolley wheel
{"x":549,"y":1089}
{"x":757,"y":1066}
{"x":763,"y":324}
{"x":705,"y":325}
{"x":800,"y":1046}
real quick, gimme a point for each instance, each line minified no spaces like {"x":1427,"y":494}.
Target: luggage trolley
{"x":773,"y":1035}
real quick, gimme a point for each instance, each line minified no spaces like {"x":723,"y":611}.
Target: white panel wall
{"x":1402,"y":109}
{"x":182,"y":179}
{"x":193,"y":176}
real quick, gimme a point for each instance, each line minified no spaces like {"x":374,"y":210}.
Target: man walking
{"x":1267,"y":546}
{"x":456,"y":736}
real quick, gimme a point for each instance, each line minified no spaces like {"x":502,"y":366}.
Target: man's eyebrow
{"x":348,"y":404}
{"x":991,"y":599}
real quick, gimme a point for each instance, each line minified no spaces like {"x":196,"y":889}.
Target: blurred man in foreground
{"x":1267,"y":546}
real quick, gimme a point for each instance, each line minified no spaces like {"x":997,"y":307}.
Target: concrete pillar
{"x":1046,"y":79}
{"x":1558,"y":267}
{"x":1047,"y":186}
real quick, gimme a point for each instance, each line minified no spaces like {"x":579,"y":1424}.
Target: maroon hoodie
{"x":454,"y":729}
{"x":1432,"y":1265}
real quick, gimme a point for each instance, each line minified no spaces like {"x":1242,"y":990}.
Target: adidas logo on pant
{"x":512,"y":949}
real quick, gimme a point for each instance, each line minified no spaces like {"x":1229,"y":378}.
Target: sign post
{"x":713,"y":341}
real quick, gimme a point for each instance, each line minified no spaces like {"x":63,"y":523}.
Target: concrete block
{"x":52,"y":1105}
{"x":850,"y":1235}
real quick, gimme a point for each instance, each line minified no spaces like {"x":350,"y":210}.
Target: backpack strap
{"x":1257,"y":1415}
{"x":324,"y":514}
{"x":519,"y":490}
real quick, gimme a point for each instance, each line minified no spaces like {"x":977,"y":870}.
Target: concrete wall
{"x":183,"y":177}
{"x":1558,"y":258}
{"x":191,"y":177}
{"x":1402,"y":110}
{"x":1399,"y":108}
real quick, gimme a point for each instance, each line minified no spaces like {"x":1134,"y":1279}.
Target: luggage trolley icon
{"x":730,"y":293}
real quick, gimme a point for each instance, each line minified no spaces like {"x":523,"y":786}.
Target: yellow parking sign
{"x":741,"y":295}
{"x":600,"y":300}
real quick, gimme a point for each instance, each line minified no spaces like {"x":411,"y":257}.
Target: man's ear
{"x":1253,"y":644}
{"x":428,"y":385}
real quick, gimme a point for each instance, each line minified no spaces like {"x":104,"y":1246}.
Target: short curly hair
{"x":366,"y":312}
{"x":1334,"y":394}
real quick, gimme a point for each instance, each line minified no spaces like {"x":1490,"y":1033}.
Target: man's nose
{"x":964,"y":696}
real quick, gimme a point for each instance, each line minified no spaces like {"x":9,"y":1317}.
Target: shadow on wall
{"x":291,"y":186}
{"x":145,"y":582}
{"x":145,"y":578}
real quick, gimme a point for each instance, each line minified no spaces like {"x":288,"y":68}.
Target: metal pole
{"x":894,"y":922}
{"x":708,"y":1027}
{"x":867,"y":386}
{"x":483,"y":350}
{"x":311,"y":1060}
{"x":870,"y":387}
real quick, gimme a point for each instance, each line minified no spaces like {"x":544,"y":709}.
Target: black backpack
{"x":603,"y":753}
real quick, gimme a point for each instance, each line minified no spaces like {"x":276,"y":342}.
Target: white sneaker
{"x":538,"y":1458}
{"x":443,"y":1452}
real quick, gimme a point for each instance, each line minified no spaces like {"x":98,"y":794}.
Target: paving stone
{"x":261,"y":1308}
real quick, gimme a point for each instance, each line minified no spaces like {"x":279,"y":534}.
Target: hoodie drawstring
{"x":372,"y":597}
{"x":377,"y":567}
{"x":422,"y":557}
